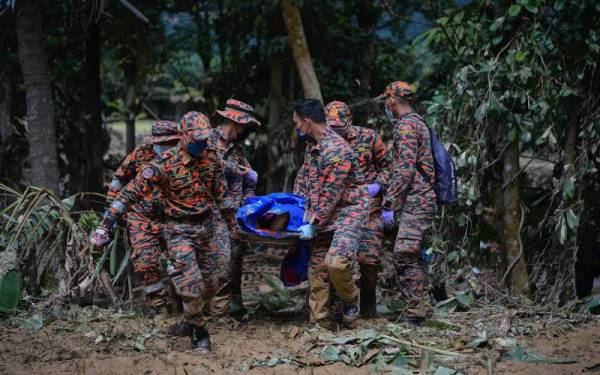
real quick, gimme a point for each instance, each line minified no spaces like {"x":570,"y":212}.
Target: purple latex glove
{"x":252,"y":176}
{"x":387,"y":217}
{"x":373,"y":189}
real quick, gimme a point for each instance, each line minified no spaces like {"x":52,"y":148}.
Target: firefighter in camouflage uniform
{"x":240,"y":120}
{"x":410,"y":197}
{"x":374,"y":165}
{"x":336,"y":209}
{"x":191,"y":180}
{"x":143,"y":218}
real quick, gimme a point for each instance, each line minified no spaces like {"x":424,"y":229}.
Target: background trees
{"x":512,"y":87}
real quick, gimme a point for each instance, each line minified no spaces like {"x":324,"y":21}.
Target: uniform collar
{"x":352,"y":132}
{"x":326,"y":137}
{"x":185,"y":157}
{"x":409,"y":113}
{"x":221,"y":135}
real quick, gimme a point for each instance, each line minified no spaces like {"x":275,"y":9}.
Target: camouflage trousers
{"x":230,"y":270}
{"x":369,"y":259}
{"x":193,"y":254}
{"x":330,"y":265}
{"x":410,"y":272}
{"x":147,"y":244}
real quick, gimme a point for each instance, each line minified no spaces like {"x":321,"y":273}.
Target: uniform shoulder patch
{"x":148,"y":173}
{"x":336,"y":160}
{"x":405,"y":131}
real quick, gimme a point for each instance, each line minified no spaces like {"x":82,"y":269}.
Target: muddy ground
{"x":104,"y":342}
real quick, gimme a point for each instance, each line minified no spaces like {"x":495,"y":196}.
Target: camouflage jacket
{"x":190,"y":187}
{"x":235,"y":166}
{"x":373,"y":159}
{"x":127,"y":171}
{"x":412,"y":169}
{"x":332,"y":184}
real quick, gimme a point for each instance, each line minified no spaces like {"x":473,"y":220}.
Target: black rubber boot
{"x":180,"y":329}
{"x":200,"y":339}
{"x":368,"y":290}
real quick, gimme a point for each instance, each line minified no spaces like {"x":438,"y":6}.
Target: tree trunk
{"x":6,"y":127}
{"x":130,"y":108}
{"x":274,"y":118}
{"x":569,"y":257}
{"x":517,"y":269}
{"x":41,"y":128}
{"x":6,"y":96}
{"x":96,"y":146}
{"x":297,"y":39}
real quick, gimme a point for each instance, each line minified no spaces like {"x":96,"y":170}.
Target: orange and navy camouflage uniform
{"x":195,"y":198}
{"x":143,"y":224}
{"x":337,"y":204}
{"x":410,"y":194}
{"x":235,"y":166}
{"x":373,"y":162}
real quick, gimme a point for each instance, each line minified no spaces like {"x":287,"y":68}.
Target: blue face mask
{"x":195,"y":149}
{"x":389,"y":115}
{"x":301,"y":136}
{"x":159,"y":149}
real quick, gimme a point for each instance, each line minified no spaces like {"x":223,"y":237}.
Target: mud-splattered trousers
{"x":195,"y":197}
{"x":144,"y":227}
{"x":231,"y":258}
{"x":410,"y":194}
{"x":337,"y":203}
{"x":374,"y":162}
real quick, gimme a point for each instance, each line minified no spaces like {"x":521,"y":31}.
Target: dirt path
{"x":132,"y":345}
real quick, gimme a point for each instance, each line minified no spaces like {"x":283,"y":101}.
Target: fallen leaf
{"x":34,"y":322}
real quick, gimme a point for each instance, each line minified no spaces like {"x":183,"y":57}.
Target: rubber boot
{"x":200,"y":339}
{"x":368,"y":290}
{"x":350,"y":315}
{"x":412,"y":284}
{"x":179,"y":329}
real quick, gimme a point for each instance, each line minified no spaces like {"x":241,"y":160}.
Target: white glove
{"x":101,"y":236}
{"x":307,"y":232}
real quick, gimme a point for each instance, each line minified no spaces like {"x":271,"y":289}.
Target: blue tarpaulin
{"x":277,"y":216}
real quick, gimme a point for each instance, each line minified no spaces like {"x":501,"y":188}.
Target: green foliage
{"x":10,"y":292}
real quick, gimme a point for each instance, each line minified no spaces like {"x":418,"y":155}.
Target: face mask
{"x":243,"y":135}
{"x":195,"y":149}
{"x":159,"y":149}
{"x":343,"y":132}
{"x":301,"y":136}
{"x":389,"y":115}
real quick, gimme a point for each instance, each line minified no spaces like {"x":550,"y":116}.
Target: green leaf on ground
{"x":482,"y":337}
{"x":465,"y":299}
{"x":330,"y":354}
{"x":518,"y":353}
{"x":33,"y":322}
{"x":441,"y":370}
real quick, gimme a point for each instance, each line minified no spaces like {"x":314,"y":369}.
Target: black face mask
{"x":196,"y":149}
{"x":244,"y":134}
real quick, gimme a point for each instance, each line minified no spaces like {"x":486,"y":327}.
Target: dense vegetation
{"x":512,"y":87}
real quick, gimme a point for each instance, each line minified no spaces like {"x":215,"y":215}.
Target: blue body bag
{"x":278,"y":216}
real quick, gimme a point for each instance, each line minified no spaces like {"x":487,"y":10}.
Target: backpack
{"x":445,"y":184}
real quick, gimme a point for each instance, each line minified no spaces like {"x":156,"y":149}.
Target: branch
{"x":423,"y":347}
{"x":134,"y":10}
